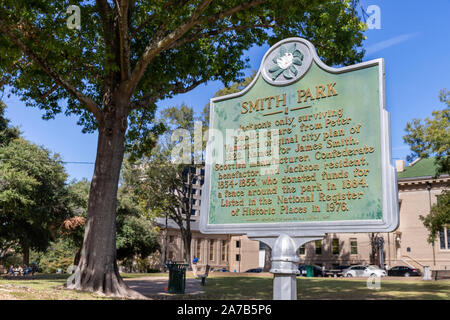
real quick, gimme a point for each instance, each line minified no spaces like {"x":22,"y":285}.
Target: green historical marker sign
{"x":304,"y":148}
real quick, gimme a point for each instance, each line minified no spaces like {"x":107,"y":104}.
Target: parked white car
{"x":364,"y":271}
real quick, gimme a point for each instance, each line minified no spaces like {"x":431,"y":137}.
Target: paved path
{"x":154,"y":287}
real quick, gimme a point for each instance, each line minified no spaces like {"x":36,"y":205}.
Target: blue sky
{"x":414,"y":40}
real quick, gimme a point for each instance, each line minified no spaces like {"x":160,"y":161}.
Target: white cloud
{"x":390,"y":42}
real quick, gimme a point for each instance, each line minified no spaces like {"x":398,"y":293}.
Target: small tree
{"x":432,"y":138}
{"x":136,"y":234}
{"x":438,"y":218}
{"x":167,"y":190}
{"x":73,"y":227}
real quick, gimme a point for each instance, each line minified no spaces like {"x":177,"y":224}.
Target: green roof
{"x":422,"y":168}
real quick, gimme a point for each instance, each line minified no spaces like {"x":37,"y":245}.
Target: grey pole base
{"x":284,"y":287}
{"x":285,"y":262}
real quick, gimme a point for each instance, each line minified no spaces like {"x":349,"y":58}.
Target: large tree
{"x":33,"y":195}
{"x":128,"y":55}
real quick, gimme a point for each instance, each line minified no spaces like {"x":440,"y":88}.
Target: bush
{"x":59,"y":255}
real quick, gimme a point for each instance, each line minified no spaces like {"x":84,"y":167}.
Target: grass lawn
{"x":41,"y":287}
{"x":49,"y":287}
{"x":327,"y":288}
{"x":243,"y":287}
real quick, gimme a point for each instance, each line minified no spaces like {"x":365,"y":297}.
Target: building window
{"x":318,"y":244}
{"x":238,"y":243}
{"x":335,"y":246}
{"x":353,"y":246}
{"x":224,"y":251}
{"x":444,"y":238}
{"x":211,"y":250}
{"x":171,"y":239}
{"x":301,"y":250}
{"x":238,"y":257}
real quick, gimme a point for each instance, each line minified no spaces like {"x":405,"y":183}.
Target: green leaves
{"x":439,"y":216}
{"x":432,"y":137}
{"x":33,"y":195}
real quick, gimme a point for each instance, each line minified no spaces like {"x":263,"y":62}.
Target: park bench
{"x":205,"y":275}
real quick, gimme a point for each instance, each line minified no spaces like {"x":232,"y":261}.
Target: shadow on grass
{"x":261,"y":288}
{"x":357,"y":289}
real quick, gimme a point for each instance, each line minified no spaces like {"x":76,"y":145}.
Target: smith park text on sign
{"x":305,"y":147}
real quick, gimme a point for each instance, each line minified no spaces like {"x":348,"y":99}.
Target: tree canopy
{"x":153,"y":50}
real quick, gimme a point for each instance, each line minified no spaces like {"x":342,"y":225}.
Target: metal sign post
{"x":304,"y":150}
{"x":285,"y":263}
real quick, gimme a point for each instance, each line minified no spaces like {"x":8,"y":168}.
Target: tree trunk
{"x":187,"y":247}
{"x":26,"y":256}
{"x":267,"y":258}
{"x":77,"y":258}
{"x":98,"y":270}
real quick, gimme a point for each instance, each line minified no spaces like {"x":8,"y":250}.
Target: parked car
{"x":221,"y":270}
{"x":402,"y":271}
{"x":364,"y":271}
{"x":337,"y":271}
{"x":255,"y":270}
{"x":317,"y":272}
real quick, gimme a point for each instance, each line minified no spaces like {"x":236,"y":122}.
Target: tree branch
{"x":124,"y":47}
{"x":85,"y":100}
{"x":231,"y":11}
{"x":159,"y":44}
{"x":164,"y":8}
{"x":175,"y":88}
{"x":219,"y":31}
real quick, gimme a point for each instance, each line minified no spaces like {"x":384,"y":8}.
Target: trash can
{"x":177,"y":277}
{"x":309,"y":271}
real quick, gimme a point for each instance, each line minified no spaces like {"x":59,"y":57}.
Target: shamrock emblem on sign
{"x":284,"y":64}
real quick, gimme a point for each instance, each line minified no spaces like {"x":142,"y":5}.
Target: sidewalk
{"x":154,"y":287}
